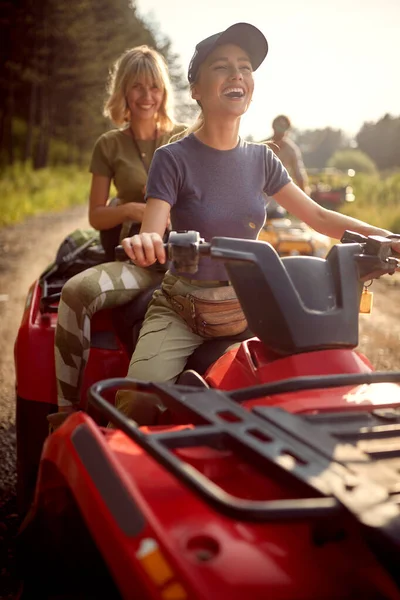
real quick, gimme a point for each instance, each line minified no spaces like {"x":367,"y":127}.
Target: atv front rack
{"x":347,"y":460}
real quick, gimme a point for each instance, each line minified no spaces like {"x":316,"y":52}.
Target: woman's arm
{"x":102,"y":216}
{"x":147,"y":247}
{"x":325,"y":221}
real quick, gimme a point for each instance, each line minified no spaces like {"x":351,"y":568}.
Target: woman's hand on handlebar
{"x":144,"y":249}
{"x":396,"y":246}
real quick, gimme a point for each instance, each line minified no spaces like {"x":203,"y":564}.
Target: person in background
{"x":288,"y":152}
{"x":139,"y":104}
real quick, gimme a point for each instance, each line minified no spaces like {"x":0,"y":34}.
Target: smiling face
{"x":225,"y":83}
{"x":144,"y":99}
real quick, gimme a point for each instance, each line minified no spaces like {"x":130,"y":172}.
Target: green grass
{"x":25,"y":192}
{"x":377,"y":198}
{"x":377,"y":201}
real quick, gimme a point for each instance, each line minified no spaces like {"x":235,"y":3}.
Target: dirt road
{"x":25,"y":250}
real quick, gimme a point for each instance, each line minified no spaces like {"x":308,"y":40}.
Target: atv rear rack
{"x":325,"y":451}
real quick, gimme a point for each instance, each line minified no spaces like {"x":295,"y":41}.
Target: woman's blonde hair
{"x":199,"y":122}
{"x":140,"y":63}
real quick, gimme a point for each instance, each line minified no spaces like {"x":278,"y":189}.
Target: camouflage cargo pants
{"x":104,"y":286}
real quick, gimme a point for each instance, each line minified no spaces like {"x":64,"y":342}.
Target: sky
{"x":330,"y":63}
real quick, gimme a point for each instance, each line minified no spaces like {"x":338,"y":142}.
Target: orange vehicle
{"x":291,"y":237}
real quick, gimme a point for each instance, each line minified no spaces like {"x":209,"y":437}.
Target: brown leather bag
{"x":211,"y":312}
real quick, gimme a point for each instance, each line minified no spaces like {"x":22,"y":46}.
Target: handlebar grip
{"x":352,"y":237}
{"x":183,"y":248}
{"x":120,"y":254}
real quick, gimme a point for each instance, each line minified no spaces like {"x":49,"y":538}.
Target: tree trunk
{"x":43,"y":144}
{"x":31,"y":122}
{"x":8,"y":133}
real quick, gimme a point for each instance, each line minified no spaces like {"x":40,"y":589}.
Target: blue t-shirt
{"x":215,"y":192}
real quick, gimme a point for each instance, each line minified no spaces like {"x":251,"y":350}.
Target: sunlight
{"x":321,"y":70}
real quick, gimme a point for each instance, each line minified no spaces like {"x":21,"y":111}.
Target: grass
{"x":25,"y":192}
{"x":377,"y":198}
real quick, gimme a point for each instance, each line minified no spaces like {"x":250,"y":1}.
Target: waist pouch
{"x":211,"y":312}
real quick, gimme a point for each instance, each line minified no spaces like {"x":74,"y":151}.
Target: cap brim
{"x":248,"y":37}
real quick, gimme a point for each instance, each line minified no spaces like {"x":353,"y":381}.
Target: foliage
{"x":381,"y":141}
{"x":377,"y":200}
{"x":55,"y":80}
{"x":377,"y":197}
{"x":25,"y":191}
{"x":352,"y":159}
{"x":318,"y":145}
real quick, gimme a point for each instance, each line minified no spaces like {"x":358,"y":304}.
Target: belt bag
{"x":211,"y":312}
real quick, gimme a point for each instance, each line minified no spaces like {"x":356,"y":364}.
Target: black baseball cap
{"x":244,"y":35}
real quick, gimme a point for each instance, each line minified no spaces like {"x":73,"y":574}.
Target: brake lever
{"x":120,"y":254}
{"x":373,"y":267}
{"x":395,"y":237}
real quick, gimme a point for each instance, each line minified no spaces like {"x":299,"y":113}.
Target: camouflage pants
{"x":104,"y":286}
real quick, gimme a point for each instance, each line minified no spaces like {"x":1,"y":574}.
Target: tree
{"x":381,"y":141}
{"x":54,"y":82}
{"x":318,"y":145}
{"x":352,"y":159}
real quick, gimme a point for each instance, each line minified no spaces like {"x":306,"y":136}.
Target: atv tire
{"x":32,"y":429}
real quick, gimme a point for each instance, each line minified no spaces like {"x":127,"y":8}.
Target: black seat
{"x":193,"y":378}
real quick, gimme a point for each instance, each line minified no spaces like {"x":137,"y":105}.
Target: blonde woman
{"x":139,"y":103}
{"x":214,"y":182}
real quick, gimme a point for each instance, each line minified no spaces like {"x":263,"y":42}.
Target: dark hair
{"x":282,"y":118}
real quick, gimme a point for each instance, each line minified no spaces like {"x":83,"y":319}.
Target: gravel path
{"x":25,"y":250}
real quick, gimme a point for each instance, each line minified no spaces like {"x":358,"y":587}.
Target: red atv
{"x":275,"y":475}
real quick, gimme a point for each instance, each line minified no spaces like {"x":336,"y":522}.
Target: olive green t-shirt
{"x":115,"y":156}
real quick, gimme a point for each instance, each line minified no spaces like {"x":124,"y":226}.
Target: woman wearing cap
{"x":214,"y":182}
{"x":139,"y":104}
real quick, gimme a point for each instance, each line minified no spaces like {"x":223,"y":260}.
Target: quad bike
{"x":113,"y":337}
{"x":291,"y":237}
{"x":276,"y":475}
{"x":332,"y":197}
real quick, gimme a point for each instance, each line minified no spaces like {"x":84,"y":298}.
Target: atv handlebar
{"x":185,"y":248}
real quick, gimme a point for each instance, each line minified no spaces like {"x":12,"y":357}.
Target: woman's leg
{"x":104,"y":286}
{"x":165,"y":343}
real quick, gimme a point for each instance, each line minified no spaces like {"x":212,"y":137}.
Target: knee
{"x":142,"y":408}
{"x":78,"y":291}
